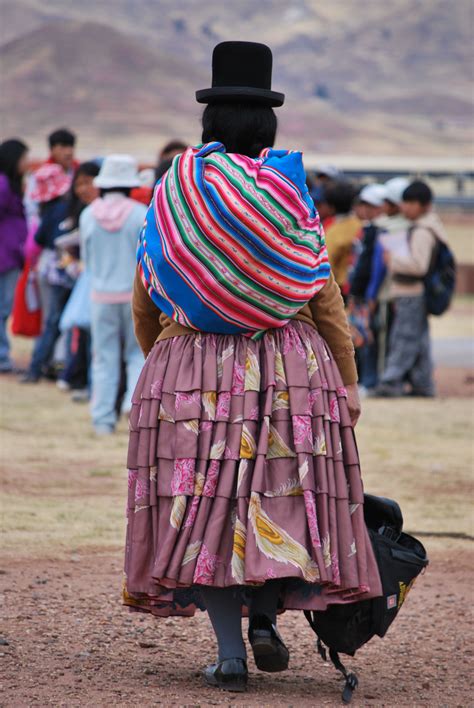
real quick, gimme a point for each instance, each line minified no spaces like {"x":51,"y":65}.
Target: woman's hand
{"x":353,"y":403}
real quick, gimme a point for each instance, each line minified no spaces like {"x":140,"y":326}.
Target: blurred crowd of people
{"x":381,"y":239}
{"x":68,"y":236}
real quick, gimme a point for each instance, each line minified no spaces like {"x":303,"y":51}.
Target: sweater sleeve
{"x":327,"y":309}
{"x":417,"y":262}
{"x":378,"y":272}
{"x":146,"y":316}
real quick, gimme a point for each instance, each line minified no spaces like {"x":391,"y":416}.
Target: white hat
{"x":118,"y":171}
{"x":395,"y":188}
{"x":328,"y":171}
{"x":373,"y":194}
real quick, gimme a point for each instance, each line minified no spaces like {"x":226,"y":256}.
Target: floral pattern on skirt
{"x":243,"y":467}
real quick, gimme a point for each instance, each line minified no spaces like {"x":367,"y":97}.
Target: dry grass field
{"x":63,"y":489}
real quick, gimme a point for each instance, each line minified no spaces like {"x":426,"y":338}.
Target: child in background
{"x":393,"y":220}
{"x":52,"y":185}
{"x":343,"y":232}
{"x":365,"y":281}
{"x":76,"y":372}
{"x":110,"y":228}
{"x":13,"y":232}
{"x":370,"y":208}
{"x":62,"y":145}
{"x":409,"y":356}
{"x":393,"y":227}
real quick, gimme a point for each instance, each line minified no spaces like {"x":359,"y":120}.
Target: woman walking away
{"x":13,"y":231}
{"x":244,"y":480}
{"x":109,"y":228}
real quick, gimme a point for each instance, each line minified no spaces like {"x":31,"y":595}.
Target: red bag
{"x":26,"y":315}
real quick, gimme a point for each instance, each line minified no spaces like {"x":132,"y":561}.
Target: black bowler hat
{"x":241,"y":70}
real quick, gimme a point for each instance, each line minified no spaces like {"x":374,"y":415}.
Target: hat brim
{"x":240,"y":93}
{"x":371,"y":202}
{"x":109,"y":183}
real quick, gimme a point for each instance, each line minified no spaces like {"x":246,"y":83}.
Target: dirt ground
{"x":65,"y":639}
{"x":70,"y":643}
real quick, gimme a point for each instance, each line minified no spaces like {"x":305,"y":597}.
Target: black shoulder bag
{"x":400,"y":558}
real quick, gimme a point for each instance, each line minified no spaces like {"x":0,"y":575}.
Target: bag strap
{"x":351,"y":679}
{"x":409,"y":279}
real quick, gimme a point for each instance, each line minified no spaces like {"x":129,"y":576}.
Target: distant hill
{"x":360,"y":76}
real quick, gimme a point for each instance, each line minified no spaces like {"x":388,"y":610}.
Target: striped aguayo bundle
{"x":232,"y":244}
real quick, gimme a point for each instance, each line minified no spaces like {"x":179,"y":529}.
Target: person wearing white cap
{"x":374,"y":196}
{"x":393,"y":221}
{"x":394,"y":189}
{"x":369,"y":208}
{"x":366,"y":279}
{"x":109,"y":228}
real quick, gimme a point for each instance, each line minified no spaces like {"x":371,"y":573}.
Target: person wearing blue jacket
{"x":109,"y":229}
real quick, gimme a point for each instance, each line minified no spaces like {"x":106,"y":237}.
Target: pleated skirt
{"x":243,"y":468}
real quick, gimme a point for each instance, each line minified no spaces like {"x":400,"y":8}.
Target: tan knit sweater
{"x":325,"y":312}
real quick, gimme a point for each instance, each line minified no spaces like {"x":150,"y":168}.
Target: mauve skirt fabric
{"x":243,"y":468}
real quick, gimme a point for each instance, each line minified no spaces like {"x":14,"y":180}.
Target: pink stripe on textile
{"x":235,"y":250}
{"x":111,"y":298}
{"x":206,"y":287}
{"x":276,"y":184}
{"x":246,"y":213}
{"x":243,"y":257}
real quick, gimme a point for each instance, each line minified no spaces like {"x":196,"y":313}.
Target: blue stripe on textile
{"x":210,"y":147}
{"x":177,"y":289}
{"x":243,"y":235}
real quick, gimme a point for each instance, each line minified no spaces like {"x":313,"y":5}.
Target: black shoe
{"x":269,"y":650}
{"x":230,"y":675}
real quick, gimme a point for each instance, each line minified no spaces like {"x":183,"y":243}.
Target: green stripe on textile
{"x":222,"y":257}
{"x":240,"y":185}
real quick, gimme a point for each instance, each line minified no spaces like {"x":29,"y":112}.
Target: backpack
{"x":400,"y":559}
{"x":439,"y":281}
